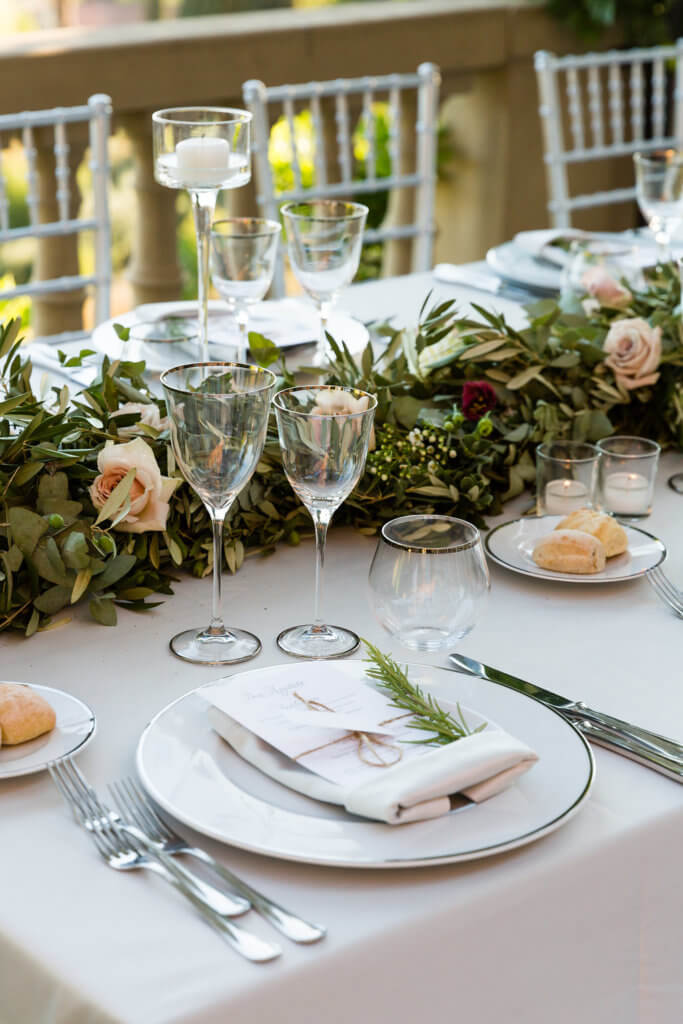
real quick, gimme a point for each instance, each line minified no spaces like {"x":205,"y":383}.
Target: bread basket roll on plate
{"x":570,"y":551}
{"x":604,"y":527}
{"x":24,"y":714}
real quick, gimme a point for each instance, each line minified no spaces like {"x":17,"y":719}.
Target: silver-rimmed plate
{"x":513,"y":264}
{"x":74,"y":729}
{"x":197,"y":777}
{"x":511,"y":545}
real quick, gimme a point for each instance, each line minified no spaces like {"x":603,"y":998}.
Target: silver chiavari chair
{"x":615,"y":104}
{"x":97,"y":113}
{"x":335,"y":107}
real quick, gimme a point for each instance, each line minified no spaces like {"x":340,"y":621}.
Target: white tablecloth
{"x":584,"y":925}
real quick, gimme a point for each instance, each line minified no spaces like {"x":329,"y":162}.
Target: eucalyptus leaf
{"x":53,"y":600}
{"x":103,"y":611}
{"x":26,"y":528}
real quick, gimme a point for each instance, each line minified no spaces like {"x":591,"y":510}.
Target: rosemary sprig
{"x":428,"y":715}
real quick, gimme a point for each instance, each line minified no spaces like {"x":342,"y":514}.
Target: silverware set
{"x":666,"y":590}
{"x":660,"y":753}
{"x":131,"y":835}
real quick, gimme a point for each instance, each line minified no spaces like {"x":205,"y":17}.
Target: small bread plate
{"x":74,"y":729}
{"x":511,"y":545}
{"x":513,"y":264}
{"x":197,"y":777}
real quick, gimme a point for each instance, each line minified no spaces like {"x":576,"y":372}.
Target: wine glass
{"x":428,"y":580}
{"x":597,"y":268}
{"x":218,"y":416}
{"x":659,"y":191}
{"x":202,"y":149}
{"x":242,"y":261}
{"x":324,"y":240}
{"x":324,"y":435}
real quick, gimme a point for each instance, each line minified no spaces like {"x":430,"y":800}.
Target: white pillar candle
{"x":626,"y":494}
{"x":203,"y":161}
{"x":564,"y":496}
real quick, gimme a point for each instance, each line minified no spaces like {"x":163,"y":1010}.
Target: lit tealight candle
{"x":203,"y":161}
{"x":563,"y":496}
{"x":626,"y":494}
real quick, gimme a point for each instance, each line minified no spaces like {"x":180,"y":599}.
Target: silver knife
{"x":648,"y":748}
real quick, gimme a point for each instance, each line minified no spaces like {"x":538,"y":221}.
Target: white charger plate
{"x":196,"y":776}
{"x":513,"y":263}
{"x":288,"y":322}
{"x":74,"y":729}
{"x":511,"y":545}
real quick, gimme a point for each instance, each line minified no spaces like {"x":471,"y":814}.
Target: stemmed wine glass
{"x":428,"y":580}
{"x":218,"y":414}
{"x":324,"y":240}
{"x":202,"y":149}
{"x":659,"y":191}
{"x":242,"y":261}
{"x":324,"y":435}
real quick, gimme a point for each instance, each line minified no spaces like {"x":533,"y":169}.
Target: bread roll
{"x":570,"y":551}
{"x":604,"y":527}
{"x":24,"y":714}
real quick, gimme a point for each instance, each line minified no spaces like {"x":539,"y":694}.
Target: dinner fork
{"x":123,"y":852}
{"x":665,"y":589}
{"x":228,"y":905}
{"x":135,"y":807}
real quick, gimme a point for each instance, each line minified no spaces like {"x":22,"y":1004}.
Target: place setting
{"x":375,"y":737}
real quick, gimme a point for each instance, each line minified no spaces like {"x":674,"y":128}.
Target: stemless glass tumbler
{"x":324,"y":436}
{"x":218,"y":415}
{"x":202,"y":149}
{"x":324,"y":241}
{"x":428,"y":580}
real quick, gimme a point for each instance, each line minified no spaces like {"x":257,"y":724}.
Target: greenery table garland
{"x":92,"y":507}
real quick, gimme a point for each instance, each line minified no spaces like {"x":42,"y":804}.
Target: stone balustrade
{"x":495,"y":185}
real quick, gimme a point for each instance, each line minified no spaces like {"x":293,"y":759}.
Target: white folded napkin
{"x":482,"y":280}
{"x":478,"y":766}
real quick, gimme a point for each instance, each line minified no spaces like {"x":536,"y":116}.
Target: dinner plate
{"x":512,"y":543}
{"x":288,"y":322}
{"x":197,"y":777}
{"x":74,"y":729}
{"x":515,"y":264}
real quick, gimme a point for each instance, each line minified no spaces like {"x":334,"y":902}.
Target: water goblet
{"x":218,"y":416}
{"x":428,"y":580}
{"x":659,"y":191}
{"x":242,"y":261}
{"x":324,"y":240}
{"x":324,"y":435}
{"x":202,"y":149}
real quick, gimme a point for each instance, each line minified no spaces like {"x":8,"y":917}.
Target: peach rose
{"x":634,"y":351}
{"x":605,"y":289}
{"x":148,"y":413}
{"x":336,"y":402}
{"x":150,"y":493}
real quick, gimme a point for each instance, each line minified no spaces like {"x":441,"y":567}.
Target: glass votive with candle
{"x":566,"y":476}
{"x":628,"y":467}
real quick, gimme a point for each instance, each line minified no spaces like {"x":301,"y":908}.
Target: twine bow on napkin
{"x":362,"y":738}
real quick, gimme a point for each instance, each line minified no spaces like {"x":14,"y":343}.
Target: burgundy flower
{"x":478,"y":397}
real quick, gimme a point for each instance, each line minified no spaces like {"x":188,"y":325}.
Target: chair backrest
{"x":97,"y":112}
{"x":334,"y":108}
{"x":606,"y":97}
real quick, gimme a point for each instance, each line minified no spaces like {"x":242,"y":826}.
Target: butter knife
{"x":648,"y":748}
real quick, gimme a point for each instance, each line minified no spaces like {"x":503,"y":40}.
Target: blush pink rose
{"x":148,"y":415}
{"x":150,"y":493}
{"x":634,"y":350}
{"x":605,"y":289}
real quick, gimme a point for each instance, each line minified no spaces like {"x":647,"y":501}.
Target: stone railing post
{"x":155,"y":270}
{"x":398,"y":251}
{"x":58,"y":254}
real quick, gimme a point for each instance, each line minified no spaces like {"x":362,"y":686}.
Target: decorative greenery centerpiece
{"x":93,"y":509}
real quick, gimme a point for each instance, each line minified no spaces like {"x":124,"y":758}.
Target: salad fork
{"x":135,"y":807}
{"x":665,"y":589}
{"x":124,"y":853}
{"x":229,"y":905}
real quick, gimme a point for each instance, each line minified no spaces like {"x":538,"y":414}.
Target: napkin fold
{"x":478,"y":766}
